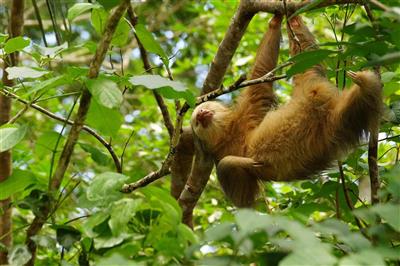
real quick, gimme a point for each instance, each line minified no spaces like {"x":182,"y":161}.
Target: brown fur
{"x":296,"y":140}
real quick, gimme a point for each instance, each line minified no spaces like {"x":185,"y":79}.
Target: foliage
{"x":304,"y":223}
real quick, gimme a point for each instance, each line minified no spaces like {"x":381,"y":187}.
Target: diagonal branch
{"x":89,"y":130}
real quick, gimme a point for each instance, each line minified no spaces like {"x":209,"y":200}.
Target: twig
{"x":89,"y":130}
{"x":269,"y":77}
{"x":347,"y":197}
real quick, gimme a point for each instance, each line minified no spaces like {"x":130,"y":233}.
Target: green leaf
{"x":249,"y":221}
{"x":219,"y":231}
{"x":187,"y":233}
{"x":365,"y":258}
{"x":121,"y":34}
{"x":16,"y":44}
{"x":48,"y":84}
{"x":11,"y":136}
{"x":390,"y":213}
{"x":52,"y":51}
{"x":80,"y":8}
{"x":116,"y":259}
{"x":306,"y":60}
{"x":106,"y":121}
{"x":19,"y":255}
{"x":122,"y":212}
{"x":167,"y":88}
{"x":15,"y":183}
{"x":3,"y":38}
{"x":108,"y":4}
{"x":105,"y":92}
{"x":93,"y":221}
{"x":387,"y":77}
{"x":97,"y":155}
{"x":309,"y":256}
{"x":105,"y":188}
{"x":307,"y":7}
{"x":67,"y":235}
{"x":25,"y":72}
{"x":387,"y":59}
{"x":99,"y":19}
{"x":149,"y":42}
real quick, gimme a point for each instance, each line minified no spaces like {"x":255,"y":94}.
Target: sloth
{"x":253,"y":141}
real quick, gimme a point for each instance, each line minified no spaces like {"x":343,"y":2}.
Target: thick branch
{"x":227,"y":48}
{"x":278,"y":6}
{"x":68,"y":149}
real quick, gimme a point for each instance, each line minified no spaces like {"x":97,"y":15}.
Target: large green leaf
{"x":121,"y":213}
{"x":307,"y":7}
{"x":19,"y":255}
{"x":105,"y":188}
{"x":365,"y":258}
{"x":16,"y":44}
{"x":11,"y":135}
{"x":167,"y":88}
{"x":149,"y":42}
{"x":25,"y":72}
{"x":388,"y":59}
{"x":67,"y":235}
{"x":105,"y":92}
{"x":106,"y":121}
{"x":15,"y":183}
{"x":97,"y":155}
{"x":390,"y":213}
{"x":306,"y":60}
{"x":99,"y":19}
{"x":121,"y":34}
{"x":80,"y":8}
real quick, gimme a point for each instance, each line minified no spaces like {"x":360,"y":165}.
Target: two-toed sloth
{"x":252,"y":141}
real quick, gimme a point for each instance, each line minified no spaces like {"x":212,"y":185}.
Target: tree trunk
{"x":15,"y":29}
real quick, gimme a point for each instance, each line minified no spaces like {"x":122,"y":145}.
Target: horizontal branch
{"x":69,"y":122}
{"x":291,"y":7}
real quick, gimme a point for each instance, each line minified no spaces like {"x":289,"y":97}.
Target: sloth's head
{"x":209,"y":119}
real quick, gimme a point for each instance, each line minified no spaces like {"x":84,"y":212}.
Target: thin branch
{"x":89,"y":130}
{"x":346,"y":195}
{"x":381,"y":6}
{"x":373,"y":136}
{"x":147,"y":66}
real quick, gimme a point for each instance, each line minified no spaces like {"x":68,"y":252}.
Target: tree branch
{"x":89,"y":130}
{"x":373,"y":137}
{"x":291,"y":7}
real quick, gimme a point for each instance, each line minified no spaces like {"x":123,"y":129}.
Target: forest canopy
{"x":96,"y":96}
